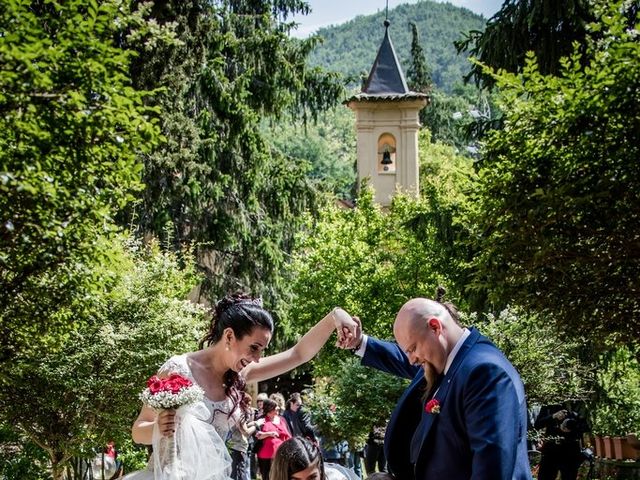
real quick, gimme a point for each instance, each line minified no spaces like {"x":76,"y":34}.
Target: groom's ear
{"x":433,"y":324}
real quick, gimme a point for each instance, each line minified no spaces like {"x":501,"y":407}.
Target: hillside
{"x":351,"y":47}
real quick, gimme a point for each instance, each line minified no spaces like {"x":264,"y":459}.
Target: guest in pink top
{"x":274,"y":431}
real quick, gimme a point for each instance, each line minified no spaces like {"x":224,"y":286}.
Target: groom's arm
{"x":492,"y":417}
{"x":387,"y":357}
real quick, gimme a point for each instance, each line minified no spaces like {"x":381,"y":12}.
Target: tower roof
{"x":386,"y":74}
{"x":386,"y":80}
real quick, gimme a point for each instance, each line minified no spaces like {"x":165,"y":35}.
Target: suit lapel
{"x":397,"y":445}
{"x":441,"y":394}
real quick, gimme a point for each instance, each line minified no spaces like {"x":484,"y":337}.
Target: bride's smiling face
{"x":249,"y":348}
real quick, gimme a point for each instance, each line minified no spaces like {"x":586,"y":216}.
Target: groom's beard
{"x":430,"y":375}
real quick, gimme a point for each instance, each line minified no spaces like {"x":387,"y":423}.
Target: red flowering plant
{"x":432,"y":406}
{"x":170,"y":393}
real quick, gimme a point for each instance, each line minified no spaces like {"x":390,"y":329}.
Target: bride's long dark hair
{"x":242,"y":314}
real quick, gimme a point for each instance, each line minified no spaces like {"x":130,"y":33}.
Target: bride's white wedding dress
{"x":197,"y":451}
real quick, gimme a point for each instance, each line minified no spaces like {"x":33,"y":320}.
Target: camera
{"x":570,"y":422}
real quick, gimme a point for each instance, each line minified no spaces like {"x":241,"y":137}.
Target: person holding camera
{"x":561,"y":446}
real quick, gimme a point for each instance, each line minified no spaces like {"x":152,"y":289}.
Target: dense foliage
{"x":548,"y":362}
{"x":351,"y":47}
{"x":216,"y":181}
{"x":71,"y":126}
{"x":618,"y":407}
{"x":329,"y":145}
{"x":557,"y":213}
{"x":546,"y":27}
{"x":77,"y":397}
{"x":346,"y":405}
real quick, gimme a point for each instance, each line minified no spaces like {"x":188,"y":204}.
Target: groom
{"x":464,"y":414}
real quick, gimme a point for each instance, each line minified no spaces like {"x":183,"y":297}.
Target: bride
{"x":229,"y":356}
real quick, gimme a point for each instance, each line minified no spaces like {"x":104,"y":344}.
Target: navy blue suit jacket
{"x":481,"y":430}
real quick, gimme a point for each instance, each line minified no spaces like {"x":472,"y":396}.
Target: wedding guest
{"x":300,"y":459}
{"x":280,"y":403}
{"x":238,"y":443}
{"x":298,"y":419}
{"x":273,"y":433}
{"x":374,"y":451}
{"x":561,"y":449}
{"x":259,"y":400}
{"x":255,"y":444}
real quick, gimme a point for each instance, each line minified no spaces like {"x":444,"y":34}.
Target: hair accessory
{"x":237,"y":298}
{"x":440,"y":293}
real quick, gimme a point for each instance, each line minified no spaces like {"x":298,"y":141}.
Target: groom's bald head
{"x":417,"y":310}
{"x":427,"y":332}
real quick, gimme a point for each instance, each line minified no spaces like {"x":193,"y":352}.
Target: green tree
{"x":350,"y":402}
{"x":364,"y":260}
{"x":216,"y":181}
{"x":74,"y":398}
{"x":557,"y":214}
{"x":617,"y":409}
{"x":549,"y":362}
{"x":329,"y":145}
{"x":71,"y":126}
{"x":418,"y":76}
{"x":545,"y":27}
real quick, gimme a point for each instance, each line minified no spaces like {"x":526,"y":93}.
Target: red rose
{"x":180,"y":380}
{"x":172,"y":386}
{"x":155,"y":384}
{"x":175,"y":383}
{"x":432,"y":407}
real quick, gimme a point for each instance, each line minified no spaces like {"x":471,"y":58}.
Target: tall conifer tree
{"x":215,"y":181}
{"x":546,"y":27}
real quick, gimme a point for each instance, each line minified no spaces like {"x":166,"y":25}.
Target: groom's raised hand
{"x":355,"y":341}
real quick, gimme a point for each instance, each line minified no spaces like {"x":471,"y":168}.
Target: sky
{"x":333,"y":12}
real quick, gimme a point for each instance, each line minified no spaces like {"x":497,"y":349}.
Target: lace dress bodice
{"x":220,"y":418}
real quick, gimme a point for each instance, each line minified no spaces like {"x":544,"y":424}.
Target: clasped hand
{"x":348,"y":328}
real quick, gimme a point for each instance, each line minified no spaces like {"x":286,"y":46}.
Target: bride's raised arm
{"x":306,"y":348}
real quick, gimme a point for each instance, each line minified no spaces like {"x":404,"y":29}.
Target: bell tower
{"x":387,"y":125}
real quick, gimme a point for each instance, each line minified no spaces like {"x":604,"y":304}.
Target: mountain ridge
{"x":350,"y":47}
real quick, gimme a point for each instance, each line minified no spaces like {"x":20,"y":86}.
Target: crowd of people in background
{"x":274,"y":422}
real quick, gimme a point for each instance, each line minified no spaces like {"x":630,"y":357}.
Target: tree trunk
{"x":57,"y":471}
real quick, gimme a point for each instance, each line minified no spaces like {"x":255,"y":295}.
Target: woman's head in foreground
{"x":297,"y":459}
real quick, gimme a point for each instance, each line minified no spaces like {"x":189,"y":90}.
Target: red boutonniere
{"x":432,"y":407}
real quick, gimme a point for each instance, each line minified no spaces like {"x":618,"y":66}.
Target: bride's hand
{"x":167,"y":422}
{"x":348,"y":329}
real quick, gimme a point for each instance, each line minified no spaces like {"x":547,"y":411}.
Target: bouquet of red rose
{"x":170,"y":393}
{"x":195,"y":451}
